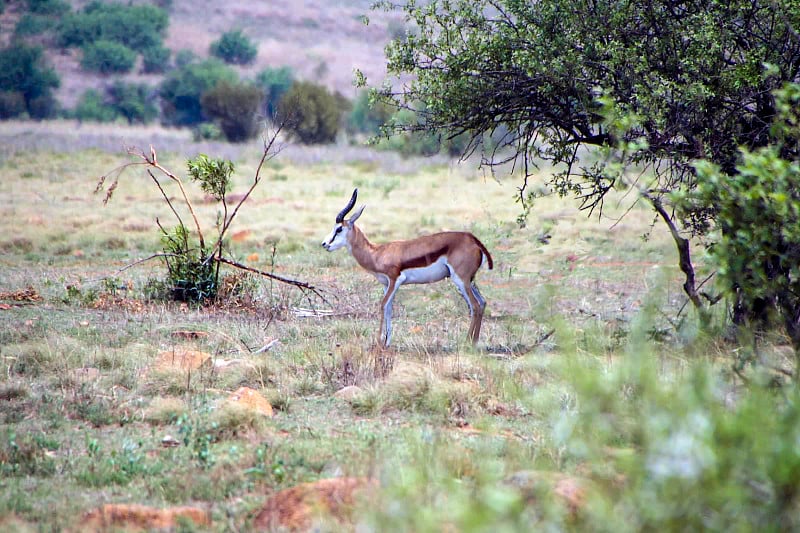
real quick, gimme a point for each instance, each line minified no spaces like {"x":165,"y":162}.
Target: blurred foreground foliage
{"x":646,"y":442}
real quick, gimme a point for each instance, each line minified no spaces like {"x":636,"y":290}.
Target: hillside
{"x":321,"y":41}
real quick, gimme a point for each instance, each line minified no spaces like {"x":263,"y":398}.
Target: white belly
{"x":433,"y":272}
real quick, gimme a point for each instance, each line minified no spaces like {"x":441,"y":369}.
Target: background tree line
{"x":206,"y":94}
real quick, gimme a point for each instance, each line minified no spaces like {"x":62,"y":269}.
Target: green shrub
{"x":311,"y":112}
{"x":92,"y":107}
{"x":234,"y":47}
{"x":423,"y":143}
{"x":183,"y":87}
{"x":134,"y":101}
{"x":107,"y":57}
{"x":49,"y":7}
{"x":207,"y":131}
{"x":274,"y":82}
{"x":43,"y":106}
{"x":31,"y":24}
{"x":22,"y":70}
{"x":138,"y":27}
{"x":12,"y":104}
{"x":367,"y":116}
{"x":689,"y":461}
{"x":155,"y":59}
{"x":235,"y":107}
{"x":184,"y":57}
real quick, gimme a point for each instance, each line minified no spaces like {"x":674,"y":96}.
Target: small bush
{"x":30,"y":24}
{"x":12,"y":104}
{"x":420,"y":142}
{"x":184,"y":57}
{"x":367,"y":116}
{"x":135,"y":102}
{"x":155,"y":59}
{"x":137,"y":27}
{"x":92,"y":107}
{"x":183,"y":87}
{"x":235,"y":107}
{"x":207,"y":131}
{"x":49,"y":7}
{"x":23,"y":70}
{"x":189,"y":276}
{"x":311,"y":112}
{"x":107,"y":57}
{"x":43,"y":106}
{"x":234,"y":47}
{"x":274,"y":82}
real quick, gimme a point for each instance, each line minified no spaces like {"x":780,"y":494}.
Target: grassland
{"x":86,"y":403}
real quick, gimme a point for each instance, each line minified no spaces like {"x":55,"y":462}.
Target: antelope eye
{"x":338,"y":230}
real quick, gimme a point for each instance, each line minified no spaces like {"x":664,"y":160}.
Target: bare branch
{"x":152,"y":161}
{"x":684,"y":253}
{"x":266,"y":155}
{"x":300,"y":284}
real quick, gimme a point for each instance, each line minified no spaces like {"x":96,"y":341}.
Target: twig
{"x":166,"y":198}
{"x":153,"y":162}
{"x":267,"y":346}
{"x":265,"y":156}
{"x":684,"y":253}
{"x":289,"y":281}
{"x":140,"y":261}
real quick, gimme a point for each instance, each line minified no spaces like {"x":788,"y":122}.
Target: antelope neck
{"x":362,"y":249}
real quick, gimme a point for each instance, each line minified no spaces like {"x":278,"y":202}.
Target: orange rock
{"x":252,"y":258}
{"x":180,"y":358}
{"x":251,"y":399}
{"x":296,"y":508}
{"x":133,"y":517}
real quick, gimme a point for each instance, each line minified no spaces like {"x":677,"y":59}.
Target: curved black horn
{"x":348,"y":207}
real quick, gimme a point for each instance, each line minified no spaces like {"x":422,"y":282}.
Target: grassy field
{"x":95,"y":410}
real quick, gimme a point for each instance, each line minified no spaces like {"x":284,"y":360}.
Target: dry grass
{"x":79,"y":365}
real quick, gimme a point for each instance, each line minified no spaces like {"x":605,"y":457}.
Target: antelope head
{"x":339,"y":236}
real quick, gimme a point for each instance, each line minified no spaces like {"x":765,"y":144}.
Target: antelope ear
{"x":355,"y":216}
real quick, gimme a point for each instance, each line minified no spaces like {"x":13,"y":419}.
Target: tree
{"x":93,"y":107}
{"x":107,"y":57}
{"x":23,"y":71}
{"x":311,"y":113}
{"x":155,"y":59}
{"x":236,"y":107}
{"x":657,"y":84}
{"x":274,"y":82}
{"x":134,"y":101}
{"x":138,"y":27}
{"x":756,"y":237}
{"x":183,"y":87}
{"x":234,"y":47}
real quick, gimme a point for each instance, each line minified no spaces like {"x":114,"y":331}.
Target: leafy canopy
{"x":23,"y":71}
{"x":183,"y":88}
{"x":234,"y":47}
{"x":235,"y":106}
{"x":537,"y":75}
{"x":136,"y":26}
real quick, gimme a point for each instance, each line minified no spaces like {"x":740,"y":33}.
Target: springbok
{"x":454,"y":254}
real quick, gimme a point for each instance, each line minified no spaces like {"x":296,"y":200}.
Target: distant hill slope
{"x":321,"y":41}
